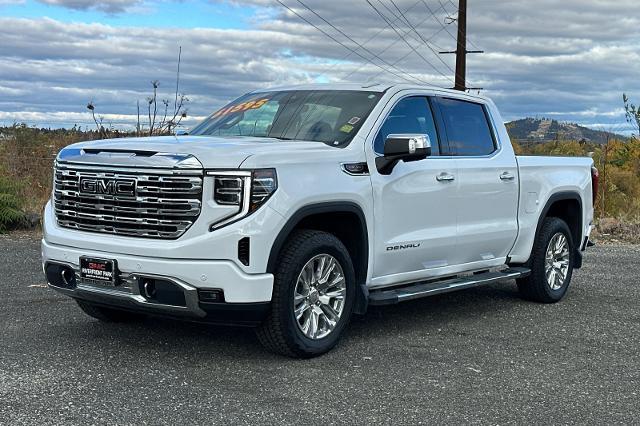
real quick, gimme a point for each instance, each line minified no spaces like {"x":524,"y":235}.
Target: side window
{"x":410,"y":115}
{"x":467,"y":128}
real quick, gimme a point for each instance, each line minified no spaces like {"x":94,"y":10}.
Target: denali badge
{"x":403,"y":246}
{"x":108,"y":186}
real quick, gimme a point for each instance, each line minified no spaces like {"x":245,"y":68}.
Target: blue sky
{"x":569,"y":60}
{"x":163,"y":14}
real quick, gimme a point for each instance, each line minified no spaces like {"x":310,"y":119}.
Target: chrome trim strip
{"x":140,"y":158}
{"x":132,"y":170}
{"x":227,"y":173}
{"x":463,"y":283}
{"x":419,"y":289}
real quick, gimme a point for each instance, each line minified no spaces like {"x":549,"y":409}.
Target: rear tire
{"x":552,"y":261}
{"x":301,"y":294}
{"x":107,"y":314}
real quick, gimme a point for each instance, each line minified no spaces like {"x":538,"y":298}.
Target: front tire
{"x":552,"y":261}
{"x":313,"y":295}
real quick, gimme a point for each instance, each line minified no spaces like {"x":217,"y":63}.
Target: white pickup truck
{"x":292,"y":209}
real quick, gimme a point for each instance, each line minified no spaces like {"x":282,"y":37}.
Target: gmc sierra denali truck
{"x":292,"y":209}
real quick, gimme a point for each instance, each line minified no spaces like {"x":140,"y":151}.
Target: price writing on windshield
{"x":255,"y":104}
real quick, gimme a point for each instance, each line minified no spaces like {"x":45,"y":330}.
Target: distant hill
{"x":545,"y":130}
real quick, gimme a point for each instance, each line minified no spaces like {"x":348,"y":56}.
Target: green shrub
{"x":11,"y":213}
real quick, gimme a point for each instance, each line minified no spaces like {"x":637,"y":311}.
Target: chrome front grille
{"x":146,"y":203}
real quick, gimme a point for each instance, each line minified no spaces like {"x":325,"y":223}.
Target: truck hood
{"x":210,"y":151}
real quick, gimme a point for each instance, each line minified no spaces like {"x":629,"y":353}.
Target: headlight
{"x":228,"y":190}
{"x":246,"y":189}
{"x":263,"y":184}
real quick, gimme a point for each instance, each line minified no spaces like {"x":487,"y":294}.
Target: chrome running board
{"x":425,"y":289}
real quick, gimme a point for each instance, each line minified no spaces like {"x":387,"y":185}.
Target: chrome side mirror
{"x":405,"y":147}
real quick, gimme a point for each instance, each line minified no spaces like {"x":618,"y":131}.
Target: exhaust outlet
{"x":68,"y":277}
{"x":149,"y":288}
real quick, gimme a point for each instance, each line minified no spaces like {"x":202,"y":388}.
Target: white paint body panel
{"x":540,"y":179}
{"x":238,"y":286}
{"x":475,"y":222}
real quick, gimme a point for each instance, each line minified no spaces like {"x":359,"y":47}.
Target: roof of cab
{"x":370,"y":87}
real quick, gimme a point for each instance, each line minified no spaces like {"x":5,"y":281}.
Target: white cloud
{"x":109,"y":6}
{"x":565,"y":59}
{"x":82,"y":119}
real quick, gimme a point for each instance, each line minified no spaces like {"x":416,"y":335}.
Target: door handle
{"x":445,"y":177}
{"x":507,"y":176}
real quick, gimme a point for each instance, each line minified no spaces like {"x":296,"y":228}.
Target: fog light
{"x":211,"y":296}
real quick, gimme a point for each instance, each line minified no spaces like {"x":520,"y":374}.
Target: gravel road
{"x":477,"y":356}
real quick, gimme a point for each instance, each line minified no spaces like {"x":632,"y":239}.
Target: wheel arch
{"x":345,"y":220}
{"x":568,"y":206}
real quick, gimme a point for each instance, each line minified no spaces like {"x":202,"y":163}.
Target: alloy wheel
{"x":319,"y":296}
{"x":557,"y":260}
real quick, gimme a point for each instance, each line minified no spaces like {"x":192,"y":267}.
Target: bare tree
{"x":161,"y":122}
{"x":101,"y":130}
{"x":632,"y":112}
{"x":152,"y":103}
{"x":170,"y":120}
{"x":138,"y":122}
{"x":179,"y":110}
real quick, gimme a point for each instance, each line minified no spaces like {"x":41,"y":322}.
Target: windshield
{"x":329,"y":116}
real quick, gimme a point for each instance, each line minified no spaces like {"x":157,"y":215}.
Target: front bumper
{"x":246,"y":296}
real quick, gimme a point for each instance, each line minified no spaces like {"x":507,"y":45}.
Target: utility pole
{"x":461,"y":49}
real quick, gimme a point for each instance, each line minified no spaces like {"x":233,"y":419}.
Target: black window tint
{"x":410,"y":115}
{"x":467,"y":128}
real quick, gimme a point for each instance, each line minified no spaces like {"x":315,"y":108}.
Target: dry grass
{"x":27,"y":156}
{"x":617,"y":230}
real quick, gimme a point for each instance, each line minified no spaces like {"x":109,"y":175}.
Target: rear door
{"x":487,"y":197}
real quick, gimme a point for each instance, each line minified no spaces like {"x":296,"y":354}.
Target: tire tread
{"x":534,"y":287}
{"x":273,"y":333}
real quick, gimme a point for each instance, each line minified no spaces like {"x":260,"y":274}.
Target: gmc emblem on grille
{"x":107,"y":186}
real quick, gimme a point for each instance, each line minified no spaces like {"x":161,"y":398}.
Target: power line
{"x":457,"y":11}
{"x":403,"y":18}
{"x":461,"y":49}
{"x":413,"y":28}
{"x":459,"y":45}
{"x":405,"y":40}
{"x":408,"y":53}
{"x":436,"y":18}
{"x":380,"y":31}
{"x":389,"y":46}
{"x":356,"y":43}
{"x":420,"y":35}
{"x":345,"y":46}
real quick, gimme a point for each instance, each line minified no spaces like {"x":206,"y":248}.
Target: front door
{"x":415,"y":206}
